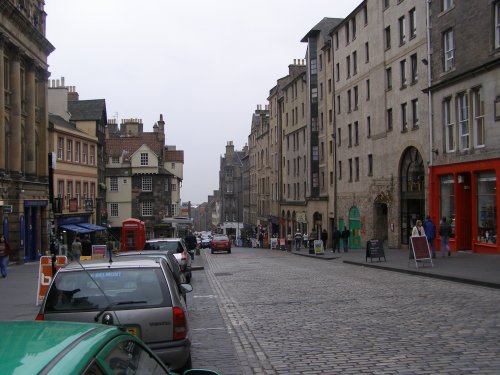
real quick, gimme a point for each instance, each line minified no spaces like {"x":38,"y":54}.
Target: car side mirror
{"x":186,"y":288}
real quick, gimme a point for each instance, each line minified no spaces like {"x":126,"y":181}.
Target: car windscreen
{"x":221,"y":238}
{"x":164,"y":246}
{"x":83,"y":290}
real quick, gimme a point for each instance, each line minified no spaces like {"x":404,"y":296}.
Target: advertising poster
{"x":45,"y":274}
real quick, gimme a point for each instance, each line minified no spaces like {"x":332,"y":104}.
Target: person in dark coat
{"x":324,"y":238}
{"x":86,"y":246}
{"x":4,"y":255}
{"x":444,"y":233}
{"x":430,"y":233}
{"x":336,"y":240}
{"x":345,"y":239}
{"x":190,"y":241}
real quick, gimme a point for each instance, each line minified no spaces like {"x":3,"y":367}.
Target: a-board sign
{"x":374,"y":249}
{"x":45,"y":274}
{"x":420,"y":247}
{"x":318,"y":247}
{"x":274,"y":243}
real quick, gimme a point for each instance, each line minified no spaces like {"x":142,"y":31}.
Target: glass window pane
{"x":447,"y":200}
{"x":486,"y":208}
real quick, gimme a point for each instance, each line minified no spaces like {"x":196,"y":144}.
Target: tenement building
{"x":380,"y":125}
{"x":465,"y":127}
{"x":24,"y":200}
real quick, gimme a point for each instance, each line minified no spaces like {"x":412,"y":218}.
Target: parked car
{"x":137,"y":293}
{"x":221,"y":242}
{"x":172,"y":262}
{"x":178,"y":247}
{"x":65,"y":348}
{"x":205,"y":242}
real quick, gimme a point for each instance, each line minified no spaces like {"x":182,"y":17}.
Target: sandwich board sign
{"x":420,"y":250}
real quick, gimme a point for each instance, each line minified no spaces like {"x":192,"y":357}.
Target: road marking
{"x":208,"y":296}
{"x":208,"y":329}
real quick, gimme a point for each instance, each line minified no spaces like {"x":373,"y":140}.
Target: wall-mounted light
{"x":436,"y":151}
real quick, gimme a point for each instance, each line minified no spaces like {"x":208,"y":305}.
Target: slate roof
{"x":176,"y":156}
{"x":85,"y":110}
{"x":324,"y":27}
{"x":116,"y":146}
{"x":61,"y":122}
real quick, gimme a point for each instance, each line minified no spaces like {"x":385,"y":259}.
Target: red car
{"x":220,"y":242}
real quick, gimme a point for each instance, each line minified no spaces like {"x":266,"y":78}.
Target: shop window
{"x":486,"y":208}
{"x":447,"y":200}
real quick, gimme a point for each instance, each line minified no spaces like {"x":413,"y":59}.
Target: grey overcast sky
{"x":204,"y":65}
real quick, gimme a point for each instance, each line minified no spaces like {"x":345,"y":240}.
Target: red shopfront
{"x":466,"y":194}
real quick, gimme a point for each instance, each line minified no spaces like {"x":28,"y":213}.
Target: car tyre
{"x":229,"y":251}
{"x":187,"y":366}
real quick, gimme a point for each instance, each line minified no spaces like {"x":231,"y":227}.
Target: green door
{"x":354,"y":227}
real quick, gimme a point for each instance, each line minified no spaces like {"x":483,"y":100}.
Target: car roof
{"x":36,"y":345}
{"x":118,"y":262}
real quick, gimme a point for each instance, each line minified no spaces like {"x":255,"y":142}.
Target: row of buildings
{"x":393,"y":115}
{"x":65,"y":169}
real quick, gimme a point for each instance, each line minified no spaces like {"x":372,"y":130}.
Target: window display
{"x":447,"y":200}
{"x":486,"y":208}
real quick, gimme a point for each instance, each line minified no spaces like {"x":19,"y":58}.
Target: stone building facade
{"x":24,"y":196}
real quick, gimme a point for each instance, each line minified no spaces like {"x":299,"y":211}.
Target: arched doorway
{"x":412,"y":188}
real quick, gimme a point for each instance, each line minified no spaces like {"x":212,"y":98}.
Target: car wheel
{"x":229,"y":251}
{"x":188,"y":365}
{"x":211,"y":251}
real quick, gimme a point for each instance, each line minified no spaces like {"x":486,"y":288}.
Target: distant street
{"x":258,"y":311}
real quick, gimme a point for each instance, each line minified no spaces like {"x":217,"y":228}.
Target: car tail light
{"x":40,"y":317}
{"x":180,"y":324}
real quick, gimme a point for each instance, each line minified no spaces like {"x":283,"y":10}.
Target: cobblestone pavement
{"x":296,"y":315}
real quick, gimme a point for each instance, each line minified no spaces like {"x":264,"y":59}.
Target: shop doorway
{"x":354,"y":227}
{"x":412,"y":188}
{"x":463,"y":224}
{"x":380,"y":231}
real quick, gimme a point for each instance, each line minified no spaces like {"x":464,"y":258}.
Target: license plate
{"x":132,"y":331}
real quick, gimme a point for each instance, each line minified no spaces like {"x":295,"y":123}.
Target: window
{"x":85,"y":153}
{"x":347,"y":37}
{"x":320,"y":66}
{"x":414,"y":113}
{"x":356,"y":97}
{"x":367,"y":52}
{"x":402,"y":30}
{"x":113,"y":210}
{"x":147,"y":209}
{"x":320,"y":98}
{"x":315,"y":153}
{"x":314,"y":68}
{"x":404,"y":119}
{"x":92,"y":190}
{"x":338,"y":103}
{"x":370,"y":165}
{"x":349,"y":127}
{"x":402,"y":65}
{"x":78,"y":193}
{"x":365,"y":15}
{"x":144,"y":158}
{"x":386,"y":4}
{"x":115,"y":160}
{"x":69,"y":192}
{"x":447,"y":4}
{"x":368,"y":127}
{"x":340,"y":169}
{"x":447,"y":199}
{"x":60,"y":188}
{"x":339,"y":137}
{"x":77,"y":152}
{"x":486,"y":207}
{"x":229,"y":187}
{"x":348,"y":66}
{"x":387,"y":33}
{"x":356,"y":133}
{"x":60,"y":148}
{"x":367,"y":89}
{"x":497,"y":24}
{"x":356,"y":165}
{"x":350,"y":170}
{"x":92,"y":155}
{"x":147,"y":183}
{"x":478,"y":118}
{"x":413,"y":23}
{"x":173,"y":187}
{"x":389,"y":119}
{"x":449,"y":50}
{"x":353,"y":23}
{"x":449,"y":125}
{"x":388,"y":78}
{"x":330,"y":85}
{"x":414,"y":68}
{"x":85,"y":190}
{"x":463,"y":120}
{"x":113,"y":183}
{"x":349,"y":107}
{"x":336,"y":36}
{"x":355,"y":63}
{"x":337,"y":72}
{"x":69,"y":150}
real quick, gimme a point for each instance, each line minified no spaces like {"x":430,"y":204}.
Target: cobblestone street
{"x":286,"y":314}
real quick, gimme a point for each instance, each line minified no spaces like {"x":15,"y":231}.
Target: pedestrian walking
{"x":346,"y":233}
{"x":76,"y":248}
{"x":418,"y":229}
{"x":444,"y":233}
{"x":110,"y":246}
{"x":324,"y":238}
{"x":312,"y":238}
{"x":298,"y":239}
{"x":430,"y":233}
{"x":336,"y":240}
{"x":261,"y":239}
{"x":289,"y":241}
{"x":4,"y":255}
{"x":190,"y":240}
{"x":305,"y":238}
{"x":86,"y":246}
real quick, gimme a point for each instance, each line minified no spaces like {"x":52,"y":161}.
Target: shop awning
{"x":92,"y":227}
{"x":75,"y":228}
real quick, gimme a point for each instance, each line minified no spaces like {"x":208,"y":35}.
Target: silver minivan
{"x":136,"y":293}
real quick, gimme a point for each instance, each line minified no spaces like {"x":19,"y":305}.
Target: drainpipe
{"x":429,"y":82}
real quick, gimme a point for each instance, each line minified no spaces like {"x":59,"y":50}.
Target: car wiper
{"x":113,"y":304}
